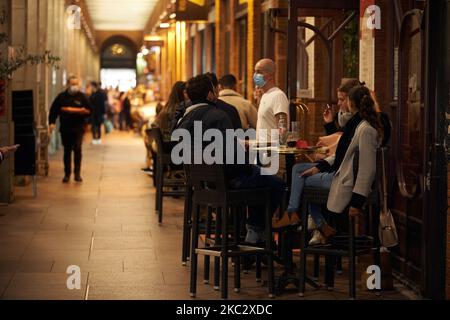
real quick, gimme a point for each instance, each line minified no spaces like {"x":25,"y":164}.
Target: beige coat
{"x":247,"y":111}
{"x":343,"y":184}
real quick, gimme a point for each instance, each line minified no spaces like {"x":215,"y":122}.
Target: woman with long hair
{"x":164,"y":119}
{"x":362,"y":132}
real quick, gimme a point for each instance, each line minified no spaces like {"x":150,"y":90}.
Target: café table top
{"x":289,"y":150}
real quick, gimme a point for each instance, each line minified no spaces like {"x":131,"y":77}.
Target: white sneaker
{"x":317,"y":238}
{"x":311,"y":224}
{"x":99,"y":141}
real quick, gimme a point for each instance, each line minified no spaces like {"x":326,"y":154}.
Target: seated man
{"x":241,"y":176}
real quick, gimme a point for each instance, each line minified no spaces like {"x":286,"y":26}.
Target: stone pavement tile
{"x":5,"y":279}
{"x":57,"y":254}
{"x":92,"y":265}
{"x":146,"y":278}
{"x":43,"y":286}
{"x":59,"y":242}
{"x":123,"y":243}
{"x":126,"y":255}
{"x":136,"y":219}
{"x":25,"y":265}
{"x":129,"y":292}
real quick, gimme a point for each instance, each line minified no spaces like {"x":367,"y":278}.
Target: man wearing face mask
{"x":240,"y":176}
{"x":73,"y":108}
{"x":274,"y":104}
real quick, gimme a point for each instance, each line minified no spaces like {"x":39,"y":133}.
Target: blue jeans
{"x":319,"y":180}
{"x":256,"y":180}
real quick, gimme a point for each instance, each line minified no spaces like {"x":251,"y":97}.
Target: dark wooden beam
{"x":436,"y":99}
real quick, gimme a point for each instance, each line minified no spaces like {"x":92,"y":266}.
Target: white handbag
{"x":386,"y":230}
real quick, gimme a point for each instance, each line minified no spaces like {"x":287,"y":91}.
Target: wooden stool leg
{"x":237,"y":260}
{"x":224,"y":291}
{"x":207,"y":236}
{"x":303,"y":234}
{"x":352,"y":259}
{"x":186,"y":226}
{"x":258,"y":268}
{"x":193,"y":253}
{"x":269,"y":252}
{"x":329,"y":272}
{"x":217,"y":242}
{"x":316,"y":266}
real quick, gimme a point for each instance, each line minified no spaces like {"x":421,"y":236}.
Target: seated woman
{"x":362,"y":132}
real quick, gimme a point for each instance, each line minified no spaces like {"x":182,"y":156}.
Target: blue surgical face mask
{"x":258,"y":80}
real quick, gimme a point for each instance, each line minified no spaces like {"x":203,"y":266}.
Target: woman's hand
{"x":328,"y":116}
{"x":309,"y":172}
{"x":354,"y":212}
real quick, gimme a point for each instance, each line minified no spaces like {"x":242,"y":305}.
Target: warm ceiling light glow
{"x":164,"y":25}
{"x":173,"y":16}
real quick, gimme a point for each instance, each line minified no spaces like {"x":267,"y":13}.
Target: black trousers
{"x":96,"y":130}
{"x":72,"y":141}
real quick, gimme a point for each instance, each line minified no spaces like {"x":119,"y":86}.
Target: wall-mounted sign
{"x":191,"y":10}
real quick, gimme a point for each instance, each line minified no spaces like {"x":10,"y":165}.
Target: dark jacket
{"x":98,"y":102}
{"x":230,"y":111}
{"x":212,"y":117}
{"x":69,"y":121}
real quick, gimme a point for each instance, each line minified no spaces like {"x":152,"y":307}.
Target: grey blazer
{"x":343,"y":184}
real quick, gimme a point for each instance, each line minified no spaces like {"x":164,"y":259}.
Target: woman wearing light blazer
{"x":362,"y":132}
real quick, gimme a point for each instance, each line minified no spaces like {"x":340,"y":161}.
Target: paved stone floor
{"x":107,"y":226}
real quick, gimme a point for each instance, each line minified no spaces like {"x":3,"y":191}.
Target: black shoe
{"x":78,"y":178}
{"x":66,"y":179}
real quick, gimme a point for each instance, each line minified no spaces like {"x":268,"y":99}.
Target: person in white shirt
{"x":274,"y":104}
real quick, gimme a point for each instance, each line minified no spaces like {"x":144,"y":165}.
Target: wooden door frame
{"x":435,"y":197}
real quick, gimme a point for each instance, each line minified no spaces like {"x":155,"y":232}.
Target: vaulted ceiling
{"x":120,"y":14}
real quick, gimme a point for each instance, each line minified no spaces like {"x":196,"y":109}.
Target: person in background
{"x":165,"y":117}
{"x":73,"y":108}
{"x":6,"y":151}
{"x":181,"y":109}
{"x":99,"y":102}
{"x":230,"y":110}
{"x":247,"y":111}
{"x":125,"y":112}
{"x":274,"y":105}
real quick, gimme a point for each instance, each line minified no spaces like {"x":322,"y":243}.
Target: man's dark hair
{"x":228,"y":81}
{"x":94,"y":84}
{"x":212,"y":76}
{"x":198,"y":87}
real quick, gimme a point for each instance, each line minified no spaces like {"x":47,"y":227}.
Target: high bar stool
{"x":210,"y":188}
